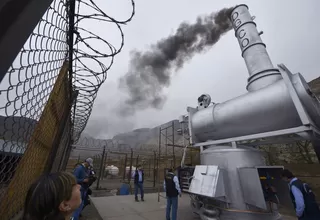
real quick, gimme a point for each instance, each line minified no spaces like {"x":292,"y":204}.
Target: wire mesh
{"x":39,"y":147}
{"x":24,"y":92}
{"x":36,"y":125}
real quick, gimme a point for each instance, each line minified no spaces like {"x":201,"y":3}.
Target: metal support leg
{"x":286,"y":74}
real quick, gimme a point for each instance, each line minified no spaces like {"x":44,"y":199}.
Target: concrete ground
{"x":125,"y":208}
{"x":90,"y":213}
{"x":115,"y":183}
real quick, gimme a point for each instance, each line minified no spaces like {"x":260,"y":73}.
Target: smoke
{"x":150,"y":72}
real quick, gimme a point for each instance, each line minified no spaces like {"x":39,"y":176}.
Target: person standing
{"x":81,"y":173}
{"x":172,"y":188}
{"x":302,"y":197}
{"x":92,"y":178}
{"x":138,"y":177}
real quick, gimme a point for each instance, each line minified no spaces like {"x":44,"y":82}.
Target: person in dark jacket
{"x":92,"y":178}
{"x":302,"y":197}
{"x":172,"y":188}
{"x":81,"y":173}
{"x":138,"y":177}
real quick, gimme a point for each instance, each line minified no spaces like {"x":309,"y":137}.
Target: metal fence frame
{"x":45,"y":144}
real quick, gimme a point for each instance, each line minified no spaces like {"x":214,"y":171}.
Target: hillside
{"x":143,"y":139}
{"x":16,"y":128}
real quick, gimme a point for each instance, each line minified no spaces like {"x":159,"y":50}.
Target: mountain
{"x":16,"y":128}
{"x":14,"y":133}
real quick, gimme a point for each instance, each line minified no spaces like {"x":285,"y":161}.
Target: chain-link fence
{"x":35,"y":104}
{"x":39,"y":154}
{"x":114,"y":164}
{"x":47,"y":87}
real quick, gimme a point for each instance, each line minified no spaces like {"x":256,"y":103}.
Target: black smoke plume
{"x":150,"y":72}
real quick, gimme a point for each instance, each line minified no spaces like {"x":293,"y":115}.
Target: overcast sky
{"x":291,"y":33}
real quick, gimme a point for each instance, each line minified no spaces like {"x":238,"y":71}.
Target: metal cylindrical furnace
{"x":268,"y":105}
{"x":232,"y":181}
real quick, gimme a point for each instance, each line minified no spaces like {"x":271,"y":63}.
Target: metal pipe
{"x":261,"y":70}
{"x":268,"y":109}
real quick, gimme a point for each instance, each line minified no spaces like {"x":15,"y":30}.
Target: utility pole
{"x":154,"y":168}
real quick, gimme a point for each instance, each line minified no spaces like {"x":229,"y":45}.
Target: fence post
{"x":154,"y":168}
{"x":130,"y":169}
{"x":104,"y":164}
{"x":65,"y":150}
{"x":137,"y":160}
{"x":149,"y":163}
{"x":56,"y":142}
{"x":173,"y":146}
{"x":125,"y":164}
{"x":101,"y":167}
{"x":67,"y":154}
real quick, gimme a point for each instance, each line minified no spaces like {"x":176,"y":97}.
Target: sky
{"x":291,"y":33}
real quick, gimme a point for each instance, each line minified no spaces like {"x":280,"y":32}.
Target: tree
{"x":305,"y":150}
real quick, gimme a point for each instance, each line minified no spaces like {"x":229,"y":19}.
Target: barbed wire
{"x":91,"y":64}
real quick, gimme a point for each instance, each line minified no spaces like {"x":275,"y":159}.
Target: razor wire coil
{"x":86,"y":79}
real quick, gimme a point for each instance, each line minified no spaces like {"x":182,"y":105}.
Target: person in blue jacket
{"x":81,"y":173}
{"x":302,"y":197}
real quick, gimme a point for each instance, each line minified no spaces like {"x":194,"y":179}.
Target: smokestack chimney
{"x":261,"y":70}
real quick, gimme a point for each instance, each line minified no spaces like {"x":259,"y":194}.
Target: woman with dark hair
{"x":53,"y":196}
